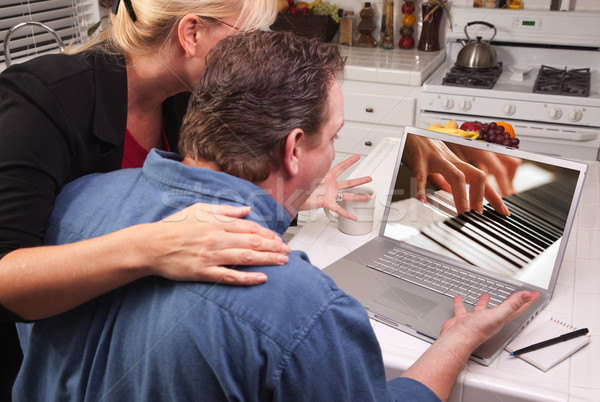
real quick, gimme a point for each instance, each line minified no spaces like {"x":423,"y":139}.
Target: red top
{"x":134,"y":154}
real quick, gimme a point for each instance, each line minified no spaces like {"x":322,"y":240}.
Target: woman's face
{"x":211,"y":32}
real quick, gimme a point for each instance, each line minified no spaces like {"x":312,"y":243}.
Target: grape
{"x":494,"y":133}
{"x":323,"y":8}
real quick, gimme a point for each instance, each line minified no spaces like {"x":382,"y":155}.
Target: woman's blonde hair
{"x":157,"y":18}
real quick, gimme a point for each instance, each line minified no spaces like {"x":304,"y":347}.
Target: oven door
{"x":552,"y":139}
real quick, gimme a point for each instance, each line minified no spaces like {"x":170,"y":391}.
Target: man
{"x":259,"y":132}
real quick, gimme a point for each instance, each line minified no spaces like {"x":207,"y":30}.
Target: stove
{"x":555,"y":81}
{"x":554,"y":101}
{"x":460,"y":76}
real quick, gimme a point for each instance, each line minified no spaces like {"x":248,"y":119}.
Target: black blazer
{"x":61,"y":117}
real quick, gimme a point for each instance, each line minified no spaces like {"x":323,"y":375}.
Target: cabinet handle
{"x":368,"y":143}
{"x":369,"y":110}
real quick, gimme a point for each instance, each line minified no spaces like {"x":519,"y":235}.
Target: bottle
{"x":365,"y":26}
{"x":432,"y":17}
{"x":387,"y":25}
{"x":347,"y":28}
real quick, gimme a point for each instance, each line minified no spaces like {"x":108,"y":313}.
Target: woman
{"x":100,"y":109}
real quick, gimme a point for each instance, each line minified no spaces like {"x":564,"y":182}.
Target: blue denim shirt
{"x":295,"y":338}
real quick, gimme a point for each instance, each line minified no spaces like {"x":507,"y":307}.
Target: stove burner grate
{"x":486,"y":78}
{"x":555,"y":81}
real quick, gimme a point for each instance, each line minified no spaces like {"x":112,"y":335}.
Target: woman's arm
{"x":46,"y":140}
{"x":192,"y":244}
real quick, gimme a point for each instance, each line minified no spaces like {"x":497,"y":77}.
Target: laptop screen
{"x":525,"y":245}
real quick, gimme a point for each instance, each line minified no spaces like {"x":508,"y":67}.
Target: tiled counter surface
{"x":394,"y":66}
{"x":506,"y":379}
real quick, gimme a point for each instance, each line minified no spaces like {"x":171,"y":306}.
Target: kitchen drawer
{"x":392,"y":105}
{"x":361,"y":138}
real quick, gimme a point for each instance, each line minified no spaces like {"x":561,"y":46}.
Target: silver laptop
{"x":426,"y":253}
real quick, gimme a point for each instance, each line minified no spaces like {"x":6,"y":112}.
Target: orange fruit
{"x":409,"y":20}
{"x":507,"y":128}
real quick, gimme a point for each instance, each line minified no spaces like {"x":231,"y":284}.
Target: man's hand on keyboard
{"x":476,"y":327}
{"x":439,"y":367}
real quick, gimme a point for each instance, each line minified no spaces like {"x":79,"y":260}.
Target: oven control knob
{"x":575,"y":115}
{"x":555,"y":113}
{"x":509,"y":109}
{"x":447,"y":103}
{"x":465,"y":104}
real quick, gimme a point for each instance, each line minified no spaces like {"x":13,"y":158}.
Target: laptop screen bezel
{"x":578,"y":166}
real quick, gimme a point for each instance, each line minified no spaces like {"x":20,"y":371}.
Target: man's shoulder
{"x":83,"y":205}
{"x":92,"y":188}
{"x":295,"y":296}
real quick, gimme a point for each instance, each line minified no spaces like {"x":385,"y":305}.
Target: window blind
{"x":69,"y":18}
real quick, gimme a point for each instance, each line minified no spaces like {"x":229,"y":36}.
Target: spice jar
{"x":347,"y":28}
{"x":430,"y":32}
{"x":365,"y":26}
{"x":387,"y":25}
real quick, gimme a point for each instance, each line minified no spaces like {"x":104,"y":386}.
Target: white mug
{"x":363,"y":210}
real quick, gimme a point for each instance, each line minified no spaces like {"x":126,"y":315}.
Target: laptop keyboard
{"x":447,"y":280}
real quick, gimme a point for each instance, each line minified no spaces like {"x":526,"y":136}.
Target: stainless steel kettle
{"x":477,"y":54}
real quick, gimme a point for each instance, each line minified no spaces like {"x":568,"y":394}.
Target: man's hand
{"x":325,"y":195}
{"x":483,"y":323}
{"x":439,"y":367}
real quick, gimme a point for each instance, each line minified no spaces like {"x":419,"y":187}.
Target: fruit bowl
{"x":308,"y":26}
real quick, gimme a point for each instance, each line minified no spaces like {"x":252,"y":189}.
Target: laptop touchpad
{"x":406,"y":302}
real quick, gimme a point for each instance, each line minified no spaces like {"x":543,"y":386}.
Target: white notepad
{"x":549,"y":356}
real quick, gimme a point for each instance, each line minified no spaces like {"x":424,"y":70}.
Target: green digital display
{"x":528,"y":23}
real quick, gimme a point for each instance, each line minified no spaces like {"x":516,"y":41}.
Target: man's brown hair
{"x":256,"y":88}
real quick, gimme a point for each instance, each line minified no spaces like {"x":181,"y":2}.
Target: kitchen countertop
{"x":393,"y":66}
{"x":577,"y":293}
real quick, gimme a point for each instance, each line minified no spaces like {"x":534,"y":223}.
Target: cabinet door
{"x":392,"y":105}
{"x":360,"y":138}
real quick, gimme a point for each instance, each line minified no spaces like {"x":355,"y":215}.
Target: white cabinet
{"x":373,"y":111}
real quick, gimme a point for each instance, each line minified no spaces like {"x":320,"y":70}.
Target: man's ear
{"x":189,"y":32}
{"x":293,"y":151}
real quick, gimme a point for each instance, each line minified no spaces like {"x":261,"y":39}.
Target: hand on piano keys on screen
{"x":502,"y":167}
{"x":432,"y":160}
{"x":523,"y":245}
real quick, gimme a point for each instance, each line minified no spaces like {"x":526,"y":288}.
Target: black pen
{"x":552,"y":341}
